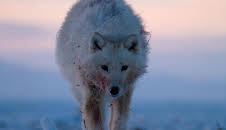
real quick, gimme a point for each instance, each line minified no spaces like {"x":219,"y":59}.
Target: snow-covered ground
{"x":66,"y":116}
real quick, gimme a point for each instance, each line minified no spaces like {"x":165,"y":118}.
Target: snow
{"x":156,"y":116}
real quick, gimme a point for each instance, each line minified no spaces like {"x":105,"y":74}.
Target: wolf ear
{"x":97,"y":43}
{"x":132,"y":44}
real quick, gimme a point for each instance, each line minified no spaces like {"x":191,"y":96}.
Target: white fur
{"x":115,"y":21}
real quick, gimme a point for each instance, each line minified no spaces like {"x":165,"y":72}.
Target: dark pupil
{"x":124,"y":67}
{"x":104,"y":67}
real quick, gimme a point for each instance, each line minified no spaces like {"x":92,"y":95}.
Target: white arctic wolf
{"x":101,"y":50}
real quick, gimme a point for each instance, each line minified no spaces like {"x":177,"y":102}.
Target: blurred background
{"x":187,"y":63}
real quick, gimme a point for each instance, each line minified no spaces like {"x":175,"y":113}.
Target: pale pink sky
{"x":30,"y":25}
{"x":165,"y":17}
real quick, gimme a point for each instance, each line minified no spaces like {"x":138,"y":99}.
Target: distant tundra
{"x":102,"y":50}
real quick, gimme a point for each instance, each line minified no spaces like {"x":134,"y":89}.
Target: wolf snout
{"x":114,"y":91}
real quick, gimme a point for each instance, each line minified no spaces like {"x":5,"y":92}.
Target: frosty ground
{"x":149,"y":116}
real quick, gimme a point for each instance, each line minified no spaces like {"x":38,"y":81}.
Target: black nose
{"x":114,"y":90}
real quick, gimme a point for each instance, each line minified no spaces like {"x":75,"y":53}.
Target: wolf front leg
{"x":93,"y":113}
{"x":120,"y":112}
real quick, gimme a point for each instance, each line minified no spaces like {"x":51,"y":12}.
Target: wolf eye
{"x":124,"y":67}
{"x":104,"y":67}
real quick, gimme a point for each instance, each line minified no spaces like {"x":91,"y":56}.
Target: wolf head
{"x":114,"y":65}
